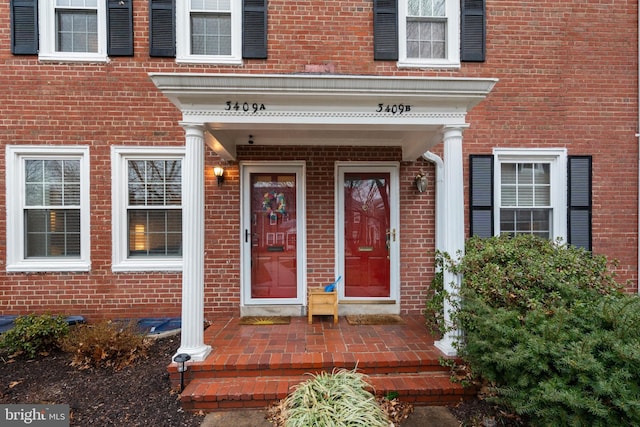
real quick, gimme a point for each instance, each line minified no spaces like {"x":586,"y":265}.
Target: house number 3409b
{"x":393,"y":108}
{"x":247,"y":107}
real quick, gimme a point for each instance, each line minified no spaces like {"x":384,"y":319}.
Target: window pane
{"x":542,"y":196}
{"x":52,"y":182}
{"x":52,"y":233}
{"x":210,"y":34}
{"x":509,"y":196}
{"x":155,"y":232}
{"x":426,"y":39}
{"x":155,"y":182}
{"x":526,"y":221}
{"x":76,"y":30}
{"x":413,"y":7}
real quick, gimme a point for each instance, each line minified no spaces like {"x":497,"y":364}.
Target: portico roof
{"x":409,"y":112}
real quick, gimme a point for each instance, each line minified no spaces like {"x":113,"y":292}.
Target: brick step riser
{"x":276,"y":371}
{"x":266,"y":370}
{"x":218,"y":394}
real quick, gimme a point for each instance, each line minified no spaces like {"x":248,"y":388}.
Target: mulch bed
{"x":138,"y":395}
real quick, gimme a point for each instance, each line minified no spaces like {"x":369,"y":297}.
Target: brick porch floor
{"x":252,"y":366}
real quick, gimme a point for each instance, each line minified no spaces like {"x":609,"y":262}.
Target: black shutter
{"x":254,"y":29}
{"x":481,"y":195}
{"x":472,"y":31}
{"x":385,"y":30}
{"x":162,"y":28}
{"x":24,"y":27}
{"x":579,"y":201}
{"x":120,"y":28}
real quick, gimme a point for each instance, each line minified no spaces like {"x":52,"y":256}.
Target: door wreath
{"x":273,"y":202}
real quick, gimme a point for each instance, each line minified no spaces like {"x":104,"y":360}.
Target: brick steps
{"x":253,"y":366}
{"x":210,"y":394}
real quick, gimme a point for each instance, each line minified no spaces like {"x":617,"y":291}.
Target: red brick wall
{"x":568,"y":78}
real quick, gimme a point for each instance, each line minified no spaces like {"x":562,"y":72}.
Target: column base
{"x":198,"y":354}
{"x":446,"y":345}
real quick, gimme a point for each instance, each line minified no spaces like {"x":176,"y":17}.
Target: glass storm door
{"x":273,"y":235}
{"x":271,"y":223}
{"x":369,"y":233}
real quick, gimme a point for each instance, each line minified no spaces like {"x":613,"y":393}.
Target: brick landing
{"x":253,"y":366}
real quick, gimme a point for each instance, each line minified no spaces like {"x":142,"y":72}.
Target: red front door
{"x":367,"y":234}
{"x":273,"y":235}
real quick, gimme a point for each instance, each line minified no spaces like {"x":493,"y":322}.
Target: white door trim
{"x":393,"y":169}
{"x":246,"y":169}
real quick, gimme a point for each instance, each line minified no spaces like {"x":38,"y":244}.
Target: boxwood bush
{"x":548,"y":327}
{"x":33,"y":334}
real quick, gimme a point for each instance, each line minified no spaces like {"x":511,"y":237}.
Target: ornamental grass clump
{"x":333,"y":400}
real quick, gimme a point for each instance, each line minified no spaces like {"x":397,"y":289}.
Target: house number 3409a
{"x":247,"y":107}
{"x":393,"y":108}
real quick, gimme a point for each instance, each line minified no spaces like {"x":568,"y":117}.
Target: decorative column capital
{"x":453,"y":131}
{"x":193,"y":129}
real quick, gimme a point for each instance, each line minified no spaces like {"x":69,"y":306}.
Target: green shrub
{"x":546,"y":325}
{"x":105,"y":344}
{"x":333,"y":400}
{"x":34,"y":334}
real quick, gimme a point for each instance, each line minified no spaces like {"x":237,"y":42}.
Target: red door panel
{"x":366,"y":233}
{"x":274,"y":238}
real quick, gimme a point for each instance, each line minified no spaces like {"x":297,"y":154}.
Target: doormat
{"x":375,"y":319}
{"x":270,"y":320}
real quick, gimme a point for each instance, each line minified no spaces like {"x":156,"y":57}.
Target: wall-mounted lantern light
{"x":181,"y":359}
{"x":218,"y":171}
{"x":420,"y":182}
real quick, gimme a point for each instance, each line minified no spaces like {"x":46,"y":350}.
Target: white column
{"x":453,"y":218}
{"x":192,"y":339}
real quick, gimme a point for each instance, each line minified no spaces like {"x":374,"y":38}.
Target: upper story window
{"x":147,"y":208}
{"x":209,"y":31}
{"x":47,"y":209}
{"x":429,"y":33}
{"x":73,"y":30}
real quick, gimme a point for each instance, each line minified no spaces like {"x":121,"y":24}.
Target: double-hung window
{"x":525,"y":198}
{"x":429,"y":33}
{"x":73,"y":30}
{"x":147,"y":209}
{"x":47,"y":209}
{"x":209,"y":31}
{"x":536,"y":191}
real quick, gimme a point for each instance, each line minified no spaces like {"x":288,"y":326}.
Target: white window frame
{"x":15,"y":179}
{"x":47,"y":30}
{"x":183,"y":36}
{"x":557,"y":160}
{"x":119,"y":158}
{"x":452,"y":59}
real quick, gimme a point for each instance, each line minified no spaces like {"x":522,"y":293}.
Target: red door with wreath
{"x":273,"y":235}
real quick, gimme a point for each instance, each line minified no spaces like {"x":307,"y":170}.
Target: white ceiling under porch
{"x":311,"y":110}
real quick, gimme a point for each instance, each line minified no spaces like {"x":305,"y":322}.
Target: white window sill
{"x":47,"y":266}
{"x":169,"y":264}
{"x":407,"y":63}
{"x":66,"y":57}
{"x":213,"y":60}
